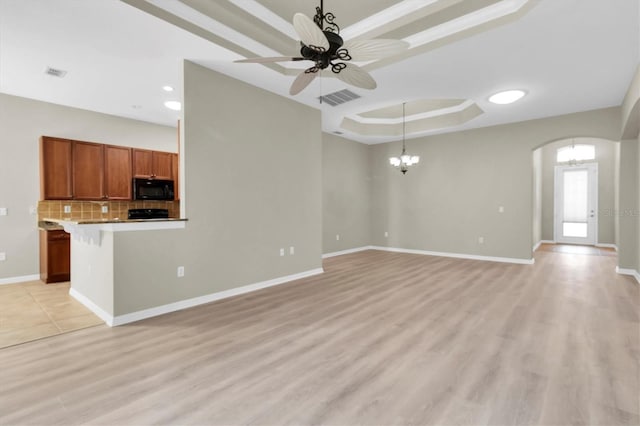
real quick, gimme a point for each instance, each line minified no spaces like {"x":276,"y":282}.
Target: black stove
{"x":148,"y":214}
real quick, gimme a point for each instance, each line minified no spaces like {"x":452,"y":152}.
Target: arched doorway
{"x":575,"y":201}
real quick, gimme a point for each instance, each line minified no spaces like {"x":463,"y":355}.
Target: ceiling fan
{"x":321,"y":43}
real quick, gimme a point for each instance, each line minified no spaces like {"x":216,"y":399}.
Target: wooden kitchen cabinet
{"x":141,"y":162}
{"x":88,"y":171}
{"x":78,"y":170}
{"x":175,"y":174}
{"x":55,"y":256}
{"x":117,"y":172}
{"x":152,"y":164}
{"x":56,"y":169}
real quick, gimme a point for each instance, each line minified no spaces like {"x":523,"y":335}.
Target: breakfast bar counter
{"x":95,"y":252}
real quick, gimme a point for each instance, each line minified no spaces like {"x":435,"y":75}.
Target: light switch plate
{"x":3,"y":211}
{"x":3,"y":256}
{"x":105,"y":209}
{"x":67,"y":209}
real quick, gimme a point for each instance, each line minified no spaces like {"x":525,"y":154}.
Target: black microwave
{"x":152,"y":189}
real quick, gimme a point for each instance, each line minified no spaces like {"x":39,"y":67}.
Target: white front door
{"x":576,"y":204}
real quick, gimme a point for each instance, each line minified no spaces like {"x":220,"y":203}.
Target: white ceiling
{"x":569,"y":55}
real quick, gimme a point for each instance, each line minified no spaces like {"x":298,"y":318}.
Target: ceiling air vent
{"x":340,"y":97}
{"x":55,"y":72}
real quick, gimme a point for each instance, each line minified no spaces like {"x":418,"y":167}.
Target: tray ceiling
{"x":569,"y":56}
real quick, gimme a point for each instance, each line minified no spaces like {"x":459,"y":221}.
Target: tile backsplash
{"x":54,"y":209}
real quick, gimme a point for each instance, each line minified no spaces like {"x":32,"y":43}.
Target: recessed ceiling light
{"x":167,"y":88}
{"x":507,"y":97}
{"x":174,"y":105}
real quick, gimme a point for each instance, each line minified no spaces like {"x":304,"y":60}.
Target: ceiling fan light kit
{"x":321,"y":44}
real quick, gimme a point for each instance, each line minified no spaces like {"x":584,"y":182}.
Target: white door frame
{"x":592,"y":219}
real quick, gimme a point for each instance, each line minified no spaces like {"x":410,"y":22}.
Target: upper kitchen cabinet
{"x":77,"y":170}
{"x":117,"y":172}
{"x":152,"y":164}
{"x":175,"y":173}
{"x":56,"y":169}
{"x":88,"y":171}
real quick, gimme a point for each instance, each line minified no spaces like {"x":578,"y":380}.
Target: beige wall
{"x":605,"y":158}
{"x":452,"y":197}
{"x":638,"y":206}
{"x":631,"y":108}
{"x":253,"y":185}
{"x":629,"y":216}
{"x":637,"y":209}
{"x":537,"y":196}
{"x":345,"y":194}
{"x":22,"y":122}
{"x":629,"y":186}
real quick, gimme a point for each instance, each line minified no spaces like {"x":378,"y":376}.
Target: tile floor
{"x":33,"y":310}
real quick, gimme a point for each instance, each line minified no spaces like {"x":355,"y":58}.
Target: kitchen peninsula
{"x":93,"y":273}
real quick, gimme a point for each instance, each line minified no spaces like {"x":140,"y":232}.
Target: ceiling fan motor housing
{"x":323,"y":58}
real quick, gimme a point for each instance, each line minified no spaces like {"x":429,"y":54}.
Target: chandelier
{"x":405,"y":160}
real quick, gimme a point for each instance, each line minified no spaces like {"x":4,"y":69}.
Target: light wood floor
{"x":34,"y":310}
{"x":379,"y":339}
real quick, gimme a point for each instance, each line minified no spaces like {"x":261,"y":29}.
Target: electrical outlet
{"x":292,"y":250}
{"x":480,"y":240}
{"x":386,"y":234}
{"x":3,"y":256}
{"x":105,"y":209}
{"x":67,"y":209}
{"x":281,"y":252}
{"x":337,"y":237}
{"x":3,"y":211}
{"x":180,"y":271}
{"x":501,"y":209}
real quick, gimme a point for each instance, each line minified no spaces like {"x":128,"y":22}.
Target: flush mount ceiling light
{"x":405,"y":160}
{"x":174,"y":105}
{"x":167,"y":88}
{"x":507,"y":97}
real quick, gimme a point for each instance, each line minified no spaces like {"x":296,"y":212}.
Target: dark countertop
{"x":58,"y":222}
{"x":47,"y":225}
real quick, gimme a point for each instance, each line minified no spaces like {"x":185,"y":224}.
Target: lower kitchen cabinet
{"x":55,"y":256}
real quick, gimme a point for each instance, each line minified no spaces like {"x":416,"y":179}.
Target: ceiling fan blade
{"x":269,"y":59}
{"x":356,"y":76}
{"x":302,"y":80}
{"x":371,"y":50}
{"x":310,"y":34}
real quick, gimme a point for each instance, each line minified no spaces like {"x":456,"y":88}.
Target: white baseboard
{"x":458,"y":255}
{"x":604,"y":245}
{"x":631,"y":272}
{"x":189,"y":303}
{"x":15,"y":280}
{"x":340,"y":253}
{"x":101,"y":313}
